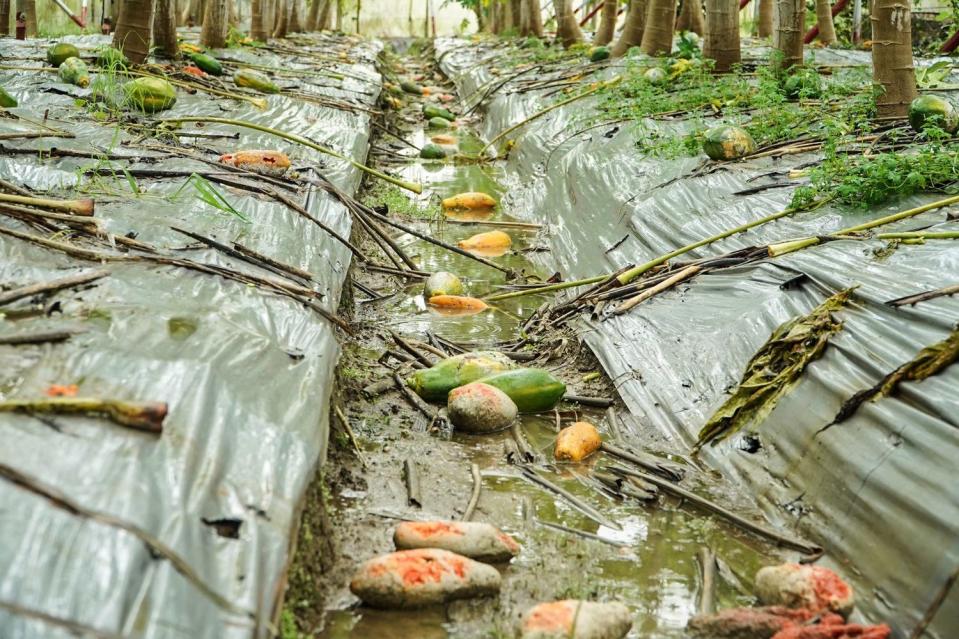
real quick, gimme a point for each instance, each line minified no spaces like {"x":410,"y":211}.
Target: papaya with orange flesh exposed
{"x":458,"y":303}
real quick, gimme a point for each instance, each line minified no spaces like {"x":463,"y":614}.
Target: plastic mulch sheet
{"x":189,"y":533}
{"x":877,"y":490}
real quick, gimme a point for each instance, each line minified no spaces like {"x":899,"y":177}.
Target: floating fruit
{"x":209,"y":64}
{"x":473,"y":539}
{"x":480,"y":408}
{"x":459,"y":303}
{"x":6,"y":100}
{"x":111,"y":58}
{"x":422,"y":577}
{"x":442,"y":138}
{"x":60,"y":51}
{"x":432,"y":111}
{"x":814,"y":588}
{"x":255,"y":80}
{"x":442,"y":283}
{"x":438,"y":123}
{"x":655,"y":75}
{"x":936,"y":110}
{"x":74,"y":71}
{"x":489,"y":242}
{"x":726,"y":142}
{"x":533,"y":390}
{"x":577,"y":442}
{"x":436,"y":382}
{"x":411,"y":87}
{"x":432,"y":152}
{"x":274,"y":163}
{"x":597,"y":54}
{"x":576,"y":619}
{"x":150,"y":94}
{"x":471,"y":200}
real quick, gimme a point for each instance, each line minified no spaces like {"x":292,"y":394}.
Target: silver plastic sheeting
{"x":877,"y":491}
{"x":247,"y":376}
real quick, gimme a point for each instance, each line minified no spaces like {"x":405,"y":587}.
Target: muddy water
{"x":646,"y":553}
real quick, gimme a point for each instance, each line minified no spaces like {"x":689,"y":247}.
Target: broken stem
{"x":145,"y":416}
{"x":77,"y":207}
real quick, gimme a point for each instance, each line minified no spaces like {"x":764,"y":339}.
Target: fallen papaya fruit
{"x":491,"y":243}
{"x":533,"y":390}
{"x":436,"y":382}
{"x":471,"y":200}
{"x":459,"y":303}
{"x":263,"y":162}
{"x":577,"y":442}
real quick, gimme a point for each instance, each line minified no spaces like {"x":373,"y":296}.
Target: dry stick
{"x":20,"y":212}
{"x":669,"y":282}
{"x":145,"y":416}
{"x":925,"y":296}
{"x":287,"y":268}
{"x":582,"y":533}
{"x":156,"y":547}
{"x":707,"y":602}
{"x":410,"y":186}
{"x":409,"y":348}
{"x":76,"y":207}
{"x":781,"y":248}
{"x":432,"y":414}
{"x":45,"y":337}
{"x":575,"y":501}
{"x":477,"y":488}
{"x":618,"y":485}
{"x":73,"y":627}
{"x":649,"y":462}
{"x":49,"y":287}
{"x":27,"y":135}
{"x":379,"y":240}
{"x":526,"y":452}
{"x":411,"y":477}
{"x":510,"y":225}
{"x":13,"y":188}
{"x":745,"y":524}
{"x":544,"y":111}
{"x":935,"y":605}
{"x":429,"y":348}
{"x":349,"y":433}
{"x":596,"y":402}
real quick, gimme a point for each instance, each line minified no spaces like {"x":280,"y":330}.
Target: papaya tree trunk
{"x":691,"y":17}
{"x":827,"y":31}
{"x":282,"y":19}
{"x":633,"y":27}
{"x":535,"y":18}
{"x":658,"y":35}
{"x":134,"y":28}
{"x":787,"y":37}
{"x":313,"y":16}
{"x":29,"y":10}
{"x":213,"y":34}
{"x":892,"y":67}
{"x":495,"y":17}
{"x":567,"y":28}
{"x":164,"y":28}
{"x":4,"y":17}
{"x":194,"y":12}
{"x":295,"y":25}
{"x":722,"y":34}
{"x":764,"y":28}
{"x":326,"y":15}
{"x":607,"y":23}
{"x":257,"y":28}
{"x":340,"y":9}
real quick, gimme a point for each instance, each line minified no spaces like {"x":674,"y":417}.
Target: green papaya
{"x":432,"y":152}
{"x":150,"y":94}
{"x":432,"y":111}
{"x":598,"y":54}
{"x":435,"y":383}
{"x":208,"y":63}
{"x":110,"y":58}
{"x":74,"y":71}
{"x":439,"y":123}
{"x":933,"y":109}
{"x":727,"y":142}
{"x":533,"y":390}
{"x":6,"y":100}
{"x":411,"y":87}
{"x":254,"y":80}
{"x":60,"y":51}
{"x":442,"y":283}
{"x":655,"y":75}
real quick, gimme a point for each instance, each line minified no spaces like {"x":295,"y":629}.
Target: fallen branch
{"x":76,"y":207}
{"x":669,"y":282}
{"x":707,"y":562}
{"x":147,"y":417}
{"x":73,"y":627}
{"x":49,"y":287}
{"x":45,"y":337}
{"x":925,"y":296}
{"x":650,"y":463}
{"x":575,"y":501}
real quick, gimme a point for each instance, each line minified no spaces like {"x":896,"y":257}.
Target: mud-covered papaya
{"x":150,"y":94}
{"x":435,"y":383}
{"x":250,"y":79}
{"x":207,"y":62}
{"x":432,"y":111}
{"x":6,"y":100}
{"x":74,"y":71}
{"x":533,"y":390}
{"x":60,"y":51}
{"x":727,"y":142}
{"x":933,"y":110}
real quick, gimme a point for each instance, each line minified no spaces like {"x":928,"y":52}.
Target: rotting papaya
{"x":442,"y":283}
{"x":461,"y":304}
{"x":435,"y":383}
{"x":933,"y":109}
{"x":207,"y":62}
{"x":432,"y":152}
{"x":576,"y":442}
{"x":470,"y":200}
{"x":432,"y":111}
{"x":273,"y":163}
{"x":6,"y":100}
{"x":60,"y":51}
{"x":533,"y":390}
{"x":250,"y":79}
{"x":74,"y":71}
{"x":726,"y":142}
{"x":150,"y":94}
